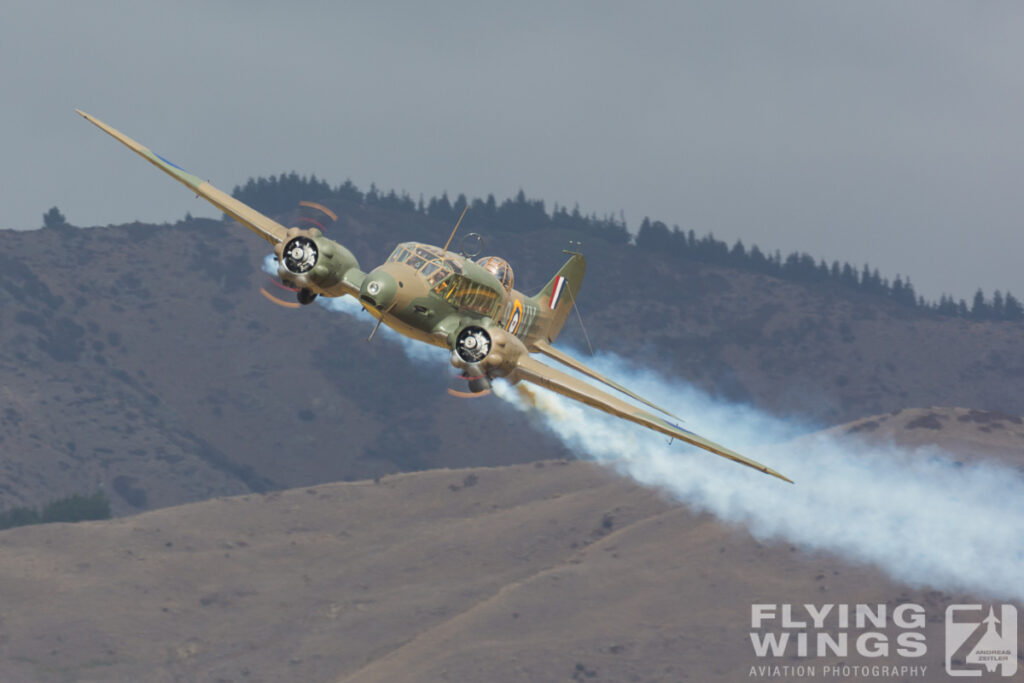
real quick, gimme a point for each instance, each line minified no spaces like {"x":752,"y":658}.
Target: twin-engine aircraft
{"x":446,"y":299}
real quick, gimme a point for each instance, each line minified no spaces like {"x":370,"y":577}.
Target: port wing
{"x":265,"y":227}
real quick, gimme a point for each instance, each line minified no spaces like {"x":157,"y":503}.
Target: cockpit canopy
{"x":499,"y":268}
{"x":428,"y":260}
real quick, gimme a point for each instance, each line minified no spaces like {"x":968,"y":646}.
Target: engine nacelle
{"x":491,"y":352}
{"x":309,"y":261}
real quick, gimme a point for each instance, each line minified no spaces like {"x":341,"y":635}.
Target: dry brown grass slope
{"x":970,"y":434}
{"x":547,"y":572}
{"x":298,"y":585}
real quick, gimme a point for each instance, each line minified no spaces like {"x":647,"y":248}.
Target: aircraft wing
{"x":265,"y":227}
{"x":535,"y":372}
{"x":566,"y":359}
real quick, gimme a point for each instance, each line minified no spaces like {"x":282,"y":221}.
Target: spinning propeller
{"x":301,"y":252}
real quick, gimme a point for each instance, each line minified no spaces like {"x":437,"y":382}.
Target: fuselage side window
{"x":468,"y":295}
{"x":447,"y":288}
{"x":477,"y":298}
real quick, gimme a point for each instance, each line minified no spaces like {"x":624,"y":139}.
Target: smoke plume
{"x":915,"y":513}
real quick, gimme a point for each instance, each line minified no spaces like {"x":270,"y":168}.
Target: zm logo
{"x":980,"y":640}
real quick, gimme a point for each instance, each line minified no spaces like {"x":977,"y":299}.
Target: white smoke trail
{"x":913,"y":513}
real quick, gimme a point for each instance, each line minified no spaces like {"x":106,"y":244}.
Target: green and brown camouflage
{"x":465,"y":305}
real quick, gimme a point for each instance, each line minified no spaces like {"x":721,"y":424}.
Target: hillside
{"x":143,"y":359}
{"x":550,"y":571}
{"x":972,"y":434}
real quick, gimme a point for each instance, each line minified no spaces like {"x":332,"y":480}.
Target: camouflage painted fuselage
{"x":429,"y":294}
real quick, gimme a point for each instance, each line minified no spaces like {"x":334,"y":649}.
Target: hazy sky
{"x":865,"y":131}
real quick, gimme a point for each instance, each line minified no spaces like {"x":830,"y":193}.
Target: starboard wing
{"x":565,"y":359}
{"x":535,"y":372}
{"x":265,"y":227}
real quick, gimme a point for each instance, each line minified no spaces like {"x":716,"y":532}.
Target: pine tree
{"x":54,"y":218}
{"x":979,"y":309}
{"x":439,"y":208}
{"x":947,"y":306}
{"x":998,"y":311}
{"x":653,"y":236}
{"x":1012,"y":309}
{"x":373,"y":195}
{"x":849,"y":276}
{"x":758,"y":262}
{"x":738,"y":254}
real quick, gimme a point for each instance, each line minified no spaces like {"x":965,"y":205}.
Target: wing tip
{"x":768,"y":470}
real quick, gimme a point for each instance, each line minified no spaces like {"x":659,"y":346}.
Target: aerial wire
{"x":580,"y":318}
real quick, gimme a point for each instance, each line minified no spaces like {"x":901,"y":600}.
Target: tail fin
{"x":557,"y":298}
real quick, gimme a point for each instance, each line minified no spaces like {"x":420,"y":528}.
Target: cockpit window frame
{"x":429,"y":261}
{"x":400,"y":254}
{"x":500,"y":269}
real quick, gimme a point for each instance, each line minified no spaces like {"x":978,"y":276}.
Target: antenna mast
{"x":456,"y":228}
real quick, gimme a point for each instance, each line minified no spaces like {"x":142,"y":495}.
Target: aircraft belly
{"x":407,"y":330}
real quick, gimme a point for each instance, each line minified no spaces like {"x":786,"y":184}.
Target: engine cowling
{"x":489,"y":352}
{"x":309,"y":261}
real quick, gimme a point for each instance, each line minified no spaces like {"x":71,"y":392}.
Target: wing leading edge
{"x":565,"y":359}
{"x":545,"y":376}
{"x":265,"y":227}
